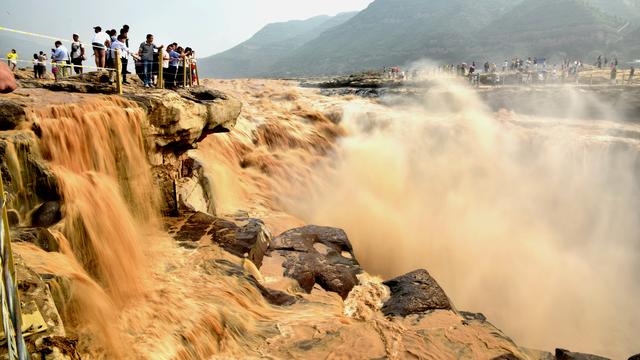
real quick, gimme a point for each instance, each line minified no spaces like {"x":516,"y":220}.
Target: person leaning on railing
{"x":146,"y":52}
{"x":7,"y":80}
{"x":121,"y":46}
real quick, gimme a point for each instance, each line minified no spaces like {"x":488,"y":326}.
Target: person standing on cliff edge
{"x":7,"y":80}
{"x":146,"y":52}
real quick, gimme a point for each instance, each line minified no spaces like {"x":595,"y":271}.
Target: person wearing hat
{"x":77,"y":54}
{"x":100,"y":43}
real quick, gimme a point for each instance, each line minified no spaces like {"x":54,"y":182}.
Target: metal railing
{"x":11,"y":308}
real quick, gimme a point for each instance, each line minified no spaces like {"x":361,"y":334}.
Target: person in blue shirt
{"x":60,"y":56}
{"x":174,"y":61}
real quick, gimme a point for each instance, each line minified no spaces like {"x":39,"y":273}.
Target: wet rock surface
{"x":274,"y":297}
{"x":47,"y":214}
{"x":414,"y":293}
{"x":52,"y":341}
{"x":562,"y":354}
{"x":40,"y":237}
{"x":238,"y":236}
{"x":319,"y":255}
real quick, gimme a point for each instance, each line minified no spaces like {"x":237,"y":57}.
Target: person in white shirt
{"x":60,"y":55}
{"x":121,"y":46}
{"x":101,"y":42}
{"x":77,"y":54}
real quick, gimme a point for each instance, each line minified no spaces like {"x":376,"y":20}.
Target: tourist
{"x":165,"y":67}
{"x":100,"y":44}
{"x":125,"y":31}
{"x":174,"y":61}
{"x":632,"y":72}
{"x":60,"y":55}
{"x":121,"y":46}
{"x":12,"y":58}
{"x":77,"y":54}
{"x":42,"y":59}
{"x":112,"y":35}
{"x":146,"y":53}
{"x":36,"y":66}
{"x":7,"y":80}
{"x":614,"y":74}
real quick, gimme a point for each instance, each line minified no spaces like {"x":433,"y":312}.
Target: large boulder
{"x":239,"y":236}
{"x":562,"y":354}
{"x":414,"y":293}
{"x":178,"y":121}
{"x":243,"y":236}
{"x":319,"y":255}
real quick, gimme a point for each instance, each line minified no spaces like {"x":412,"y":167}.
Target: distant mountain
{"x":398,"y":32}
{"x":547,"y":28}
{"x":391,"y":32}
{"x":256,"y":56}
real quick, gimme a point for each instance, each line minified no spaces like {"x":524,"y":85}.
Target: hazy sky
{"x":209,"y":26}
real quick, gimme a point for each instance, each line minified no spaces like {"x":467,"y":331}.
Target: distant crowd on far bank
{"x":175,"y":64}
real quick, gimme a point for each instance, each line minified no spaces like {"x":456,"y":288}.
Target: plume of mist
{"x":530,"y":220}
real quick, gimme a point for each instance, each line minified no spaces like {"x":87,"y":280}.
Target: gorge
{"x":179,"y":225}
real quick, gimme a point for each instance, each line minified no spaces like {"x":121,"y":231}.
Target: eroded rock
{"x":238,"y":236}
{"x":319,"y":255}
{"x":11,"y":115}
{"x":242,"y":236}
{"x":414,"y":293}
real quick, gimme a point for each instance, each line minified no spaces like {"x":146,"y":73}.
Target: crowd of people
{"x":536,"y":69}
{"x":106,"y":47}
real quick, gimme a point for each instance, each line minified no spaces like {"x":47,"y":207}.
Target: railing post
{"x":118,"y":72}
{"x":160,"y":70}
{"x":190,"y":73}
{"x":184,"y":72}
{"x":197,"y":76}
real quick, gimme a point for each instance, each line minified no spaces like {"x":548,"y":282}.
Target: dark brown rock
{"x":13,"y":217}
{"x":196,"y":226}
{"x":319,"y":255}
{"x":635,"y":357}
{"x":242,"y":236}
{"x":238,"y":236}
{"x":47,"y":214}
{"x":66,"y":346}
{"x":414,"y":293}
{"x":562,"y":354}
{"x":11,"y":115}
